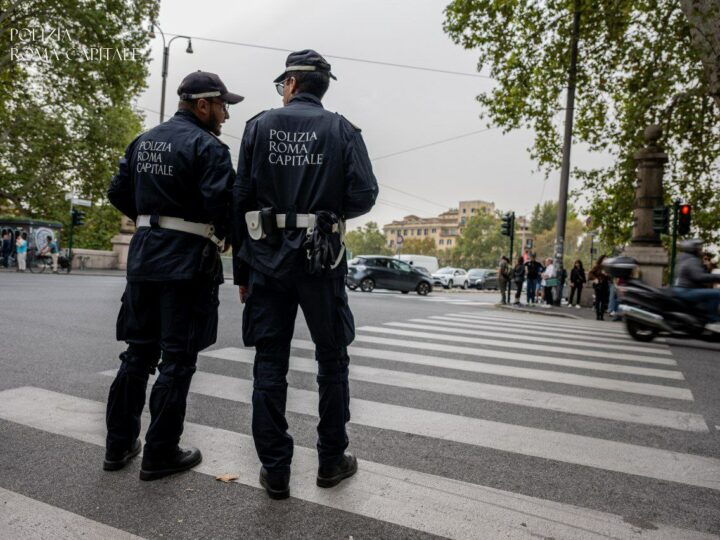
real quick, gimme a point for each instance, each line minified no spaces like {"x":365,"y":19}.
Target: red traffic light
{"x":685,"y":209}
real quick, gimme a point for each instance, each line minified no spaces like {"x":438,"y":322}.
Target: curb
{"x":536,"y":311}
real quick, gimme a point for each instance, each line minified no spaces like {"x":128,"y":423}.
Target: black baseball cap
{"x":201,"y":84}
{"x":305,"y":60}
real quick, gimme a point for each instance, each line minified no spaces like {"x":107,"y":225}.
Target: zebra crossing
{"x":450,"y":380}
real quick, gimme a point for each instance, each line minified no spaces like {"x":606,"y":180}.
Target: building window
{"x":424,"y":232}
{"x":404,"y":232}
{"x":433,"y":231}
{"x":449,"y":242}
{"x":464,"y":210}
{"x":441,"y":242}
{"x":419,"y":232}
{"x":472,"y":210}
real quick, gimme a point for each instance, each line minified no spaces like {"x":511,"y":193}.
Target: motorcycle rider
{"x":692,"y":279}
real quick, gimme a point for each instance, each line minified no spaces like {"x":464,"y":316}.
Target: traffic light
{"x":507,"y":226}
{"x":78,"y":217}
{"x":661,"y":219}
{"x":684,"y":218}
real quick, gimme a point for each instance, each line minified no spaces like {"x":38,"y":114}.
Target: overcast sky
{"x":396,"y":108}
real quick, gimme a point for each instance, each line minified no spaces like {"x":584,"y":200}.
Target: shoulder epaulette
{"x":257,"y":115}
{"x":356,"y":128}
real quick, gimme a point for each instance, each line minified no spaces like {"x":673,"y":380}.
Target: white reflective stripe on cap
{"x":300,"y":68}
{"x":203,"y":95}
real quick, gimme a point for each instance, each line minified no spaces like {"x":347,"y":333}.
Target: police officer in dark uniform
{"x":175,"y":182}
{"x":302,"y":172}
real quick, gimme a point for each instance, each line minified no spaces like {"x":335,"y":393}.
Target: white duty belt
{"x":303,"y":221}
{"x":205,"y":230}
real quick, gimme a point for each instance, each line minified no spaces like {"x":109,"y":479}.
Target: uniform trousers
{"x":173,"y":320}
{"x":268,"y":324}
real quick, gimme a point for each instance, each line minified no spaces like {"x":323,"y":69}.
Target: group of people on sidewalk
{"x":542,"y":282}
{"x":20,"y":251}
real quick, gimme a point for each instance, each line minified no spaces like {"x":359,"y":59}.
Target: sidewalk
{"x":554,"y":311}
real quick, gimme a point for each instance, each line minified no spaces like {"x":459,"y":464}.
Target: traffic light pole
{"x":673,"y":247}
{"x":512,"y":237}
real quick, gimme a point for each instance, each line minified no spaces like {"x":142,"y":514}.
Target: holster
{"x":269,"y":226}
{"x":323,"y":248}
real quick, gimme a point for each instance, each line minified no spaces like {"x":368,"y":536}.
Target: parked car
{"x":483,"y":278}
{"x":450,"y":277}
{"x":426,"y":261}
{"x":369,"y":272}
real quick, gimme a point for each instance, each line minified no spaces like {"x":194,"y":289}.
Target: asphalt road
{"x":471,"y":422}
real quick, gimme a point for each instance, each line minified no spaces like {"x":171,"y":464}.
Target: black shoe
{"x":276,"y":485}
{"x":329,"y":476}
{"x":182,"y":460}
{"x":114,"y":461}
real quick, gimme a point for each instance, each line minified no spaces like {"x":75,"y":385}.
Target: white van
{"x":425,"y":261}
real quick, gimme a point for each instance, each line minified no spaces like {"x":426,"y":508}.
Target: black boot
{"x":181,"y":460}
{"x":114,"y":461}
{"x":329,"y":476}
{"x":276,"y":485}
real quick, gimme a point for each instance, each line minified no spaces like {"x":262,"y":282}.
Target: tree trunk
{"x":704,"y":18}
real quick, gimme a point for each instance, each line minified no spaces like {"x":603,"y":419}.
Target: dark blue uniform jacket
{"x":298,"y":158}
{"x":176,"y":169}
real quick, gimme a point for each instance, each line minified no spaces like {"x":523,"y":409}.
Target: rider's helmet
{"x":693,"y":246}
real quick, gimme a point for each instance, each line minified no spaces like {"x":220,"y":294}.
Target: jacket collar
{"x":305,"y":97}
{"x":189,"y":117}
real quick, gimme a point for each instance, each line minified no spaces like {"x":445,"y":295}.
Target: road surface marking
{"x":424,"y":502}
{"x":23,"y":517}
{"x":524,"y":357}
{"x":581,"y":346}
{"x":648,"y":389}
{"x":596,"y":408}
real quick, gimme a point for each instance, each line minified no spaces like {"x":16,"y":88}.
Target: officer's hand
{"x":243,"y":293}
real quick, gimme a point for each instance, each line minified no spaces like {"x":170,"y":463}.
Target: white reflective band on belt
{"x":177,"y":224}
{"x":303,"y":221}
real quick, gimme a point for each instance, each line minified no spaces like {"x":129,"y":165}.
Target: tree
{"x":480,"y":243}
{"x":544,"y":216}
{"x":367,"y":240}
{"x":419,"y":246}
{"x":66,"y":87}
{"x":640,"y":62}
{"x":575,"y":245}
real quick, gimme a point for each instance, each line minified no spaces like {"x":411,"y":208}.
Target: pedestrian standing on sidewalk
{"x":549,"y":280}
{"x":601,"y":286}
{"x":503,"y":278}
{"x":533,"y":271}
{"x":6,"y":249}
{"x":518,"y":276}
{"x":21,"y":251}
{"x":577,"y":282}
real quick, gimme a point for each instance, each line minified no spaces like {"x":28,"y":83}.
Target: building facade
{"x":443,"y":229}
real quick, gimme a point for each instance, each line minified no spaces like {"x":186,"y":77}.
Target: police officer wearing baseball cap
{"x":302,"y":171}
{"x":175,"y":182}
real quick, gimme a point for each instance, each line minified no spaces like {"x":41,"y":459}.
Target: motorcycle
{"x":650,"y":312}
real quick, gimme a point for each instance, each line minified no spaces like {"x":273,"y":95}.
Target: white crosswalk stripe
{"x":524,"y":357}
{"x":647,"y":389}
{"x":499,"y":327}
{"x":24,"y":518}
{"x":546,"y":340}
{"x":543,"y":322}
{"x":643,"y":389}
{"x":428,"y":503}
{"x":505,"y":394}
{"x":569,"y":448}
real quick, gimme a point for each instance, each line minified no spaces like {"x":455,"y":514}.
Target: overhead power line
{"x":428,"y":145}
{"x":348,"y":58}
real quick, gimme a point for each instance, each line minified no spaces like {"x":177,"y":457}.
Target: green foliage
{"x":637,"y":66}
{"x":419,"y":246}
{"x":367,"y":240}
{"x":67,"y":117}
{"x":480,"y":244}
{"x":544,"y":216}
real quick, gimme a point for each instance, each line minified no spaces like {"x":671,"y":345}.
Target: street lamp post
{"x":166,"y":59}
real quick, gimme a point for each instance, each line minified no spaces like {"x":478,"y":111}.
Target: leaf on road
{"x":227,"y":477}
